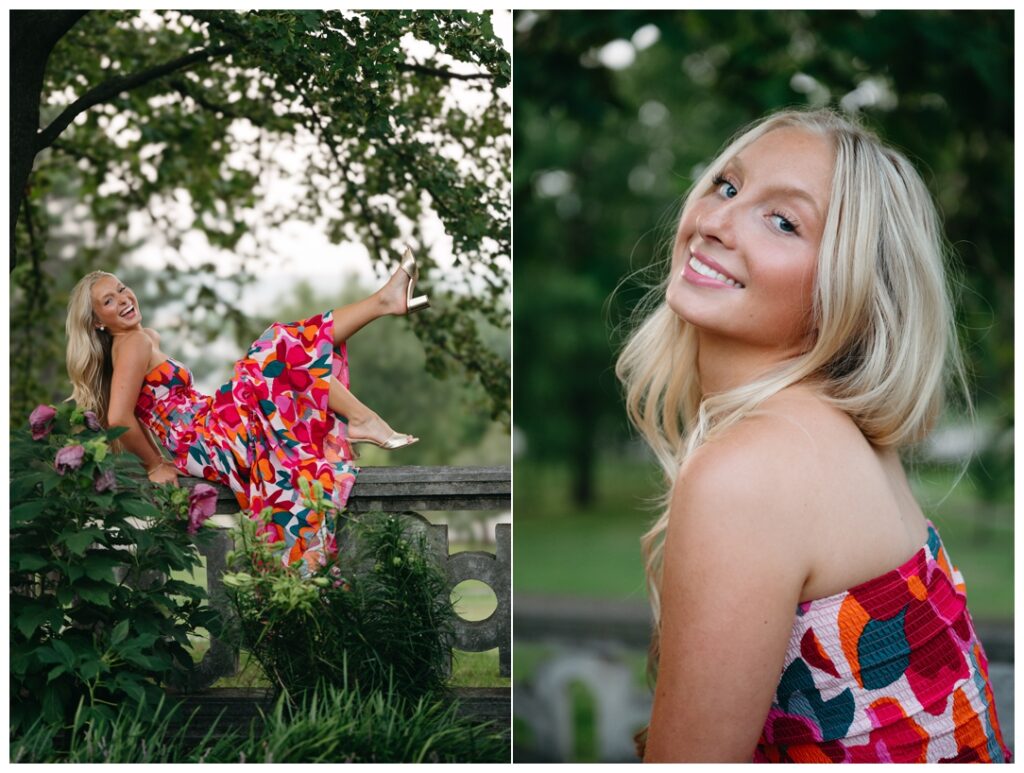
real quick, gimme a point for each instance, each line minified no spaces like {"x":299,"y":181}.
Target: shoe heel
{"x":417,"y":304}
{"x":410,"y":267}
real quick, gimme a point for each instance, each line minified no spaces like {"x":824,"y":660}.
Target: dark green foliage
{"x":381,"y":616}
{"x":136,"y":733}
{"x":335,"y":724}
{"x":329,"y":724}
{"x":93,"y":614}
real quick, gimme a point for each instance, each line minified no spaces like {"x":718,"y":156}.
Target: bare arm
{"x":733,"y":572}
{"x":130,"y":367}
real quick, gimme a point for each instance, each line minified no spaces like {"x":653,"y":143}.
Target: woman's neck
{"x":725,"y":363}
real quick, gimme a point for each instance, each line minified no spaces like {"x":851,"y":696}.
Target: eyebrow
{"x":784,"y":190}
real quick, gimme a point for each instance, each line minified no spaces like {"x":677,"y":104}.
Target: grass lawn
{"x":562,"y":549}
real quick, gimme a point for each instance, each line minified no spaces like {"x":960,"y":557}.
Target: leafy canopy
{"x":394,"y":116}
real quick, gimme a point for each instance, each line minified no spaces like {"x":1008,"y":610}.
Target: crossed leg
{"x":364,"y":423}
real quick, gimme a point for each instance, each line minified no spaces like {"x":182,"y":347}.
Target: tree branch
{"x":111,"y":88}
{"x":181,"y":86}
{"x":360,"y":201}
{"x":103,"y":165}
{"x":446,"y":74}
{"x":36,"y":299}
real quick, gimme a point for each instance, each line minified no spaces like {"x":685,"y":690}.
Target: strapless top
{"x":184,"y":419}
{"x":890,"y":670}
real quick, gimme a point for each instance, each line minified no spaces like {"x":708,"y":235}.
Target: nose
{"x":716,"y":222}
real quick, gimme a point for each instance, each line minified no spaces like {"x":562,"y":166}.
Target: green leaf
{"x":55,"y":672}
{"x":139,"y":508}
{"x":115,"y":432}
{"x":23,"y":485}
{"x":50,"y":481}
{"x":142,"y":660}
{"x":101,"y":566}
{"x":79,"y":541}
{"x":33,"y":617}
{"x":26,"y":511}
{"x":90,"y":669}
{"x":95,"y":594}
{"x":54,"y":699}
{"x":129,"y":683}
{"x":30,"y":563}
{"x":64,"y":652}
{"x":120,"y":632}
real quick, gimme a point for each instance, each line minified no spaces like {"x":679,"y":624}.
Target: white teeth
{"x":707,"y":271}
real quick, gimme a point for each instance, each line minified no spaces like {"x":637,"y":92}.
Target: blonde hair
{"x":88,"y":354}
{"x":885,"y":333}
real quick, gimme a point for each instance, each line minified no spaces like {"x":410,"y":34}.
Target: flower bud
{"x":105,"y":482}
{"x":69,"y":458}
{"x":41,"y":421}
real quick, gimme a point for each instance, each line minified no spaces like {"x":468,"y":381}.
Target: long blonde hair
{"x":885,"y":333}
{"x":89,"y":362}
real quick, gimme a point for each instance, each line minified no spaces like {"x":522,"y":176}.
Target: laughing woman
{"x":806,"y":610}
{"x":286,"y":414}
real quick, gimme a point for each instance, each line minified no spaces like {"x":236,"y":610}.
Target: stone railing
{"x":402,"y":490}
{"x":592,"y":647}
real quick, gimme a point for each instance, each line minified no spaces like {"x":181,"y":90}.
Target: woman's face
{"x":115,"y":306}
{"x":746,"y":250}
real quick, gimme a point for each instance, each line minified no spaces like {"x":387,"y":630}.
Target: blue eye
{"x":784,"y":224}
{"x":726,"y":188}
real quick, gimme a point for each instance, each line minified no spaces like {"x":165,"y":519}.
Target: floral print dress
{"x":888,"y":671}
{"x":263,"y":431}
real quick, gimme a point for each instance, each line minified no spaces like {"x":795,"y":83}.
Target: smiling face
{"x":744,"y":260}
{"x":114,"y":306}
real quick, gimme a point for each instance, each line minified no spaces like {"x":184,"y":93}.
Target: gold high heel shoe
{"x":408,"y":265}
{"x":397,"y":440}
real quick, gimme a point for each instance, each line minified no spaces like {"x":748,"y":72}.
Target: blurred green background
{"x":615,"y":114}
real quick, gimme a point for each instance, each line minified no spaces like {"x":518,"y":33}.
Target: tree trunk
{"x":33,"y":36}
{"x":583,"y":460}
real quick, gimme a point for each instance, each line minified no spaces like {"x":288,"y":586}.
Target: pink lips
{"x":706,"y":281}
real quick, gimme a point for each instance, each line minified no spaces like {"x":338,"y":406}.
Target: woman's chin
{"x":683,"y":303}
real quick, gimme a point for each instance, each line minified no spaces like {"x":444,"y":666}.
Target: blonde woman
{"x":286,"y":415}
{"x":805,"y":608}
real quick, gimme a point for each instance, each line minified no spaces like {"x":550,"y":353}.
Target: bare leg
{"x":390,"y":299}
{"x":363,"y":423}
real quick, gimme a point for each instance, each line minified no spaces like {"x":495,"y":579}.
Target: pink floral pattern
{"x":888,"y":671}
{"x":263,"y":431}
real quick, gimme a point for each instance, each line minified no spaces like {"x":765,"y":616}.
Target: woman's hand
{"x":164,"y":472}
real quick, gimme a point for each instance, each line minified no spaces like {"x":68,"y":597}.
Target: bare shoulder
{"x":136,"y":346}
{"x":735,"y":561}
{"x":764,"y":480}
{"x":765,"y":466}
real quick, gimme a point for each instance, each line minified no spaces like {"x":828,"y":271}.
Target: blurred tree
{"x":144,"y":110}
{"x":605,"y":151}
{"x":386,"y":364}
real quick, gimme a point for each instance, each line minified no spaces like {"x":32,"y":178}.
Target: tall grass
{"x":326,"y":724}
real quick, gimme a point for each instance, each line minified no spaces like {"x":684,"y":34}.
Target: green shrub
{"x":136,"y":734}
{"x":94,"y":617}
{"x":380,"y":616}
{"x":327,"y":724}
{"x":333,"y":723}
